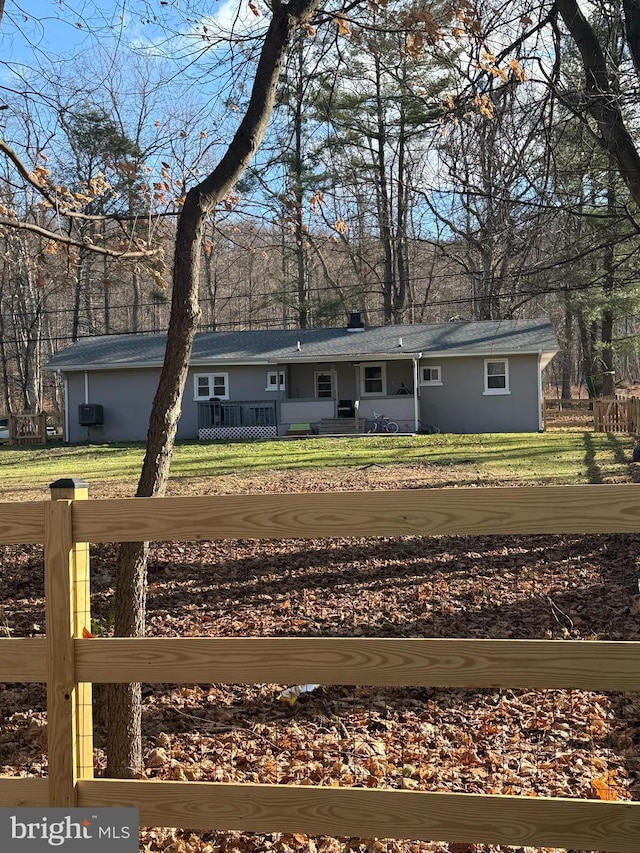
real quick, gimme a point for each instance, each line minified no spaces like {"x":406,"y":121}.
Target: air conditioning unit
{"x":90,"y":414}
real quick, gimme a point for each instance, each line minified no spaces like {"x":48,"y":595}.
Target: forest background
{"x":424,"y":163}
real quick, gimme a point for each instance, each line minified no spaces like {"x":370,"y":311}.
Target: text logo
{"x":31,"y":830}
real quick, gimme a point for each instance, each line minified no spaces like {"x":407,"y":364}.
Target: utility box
{"x":90,"y":414}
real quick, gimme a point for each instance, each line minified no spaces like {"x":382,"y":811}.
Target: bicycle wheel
{"x":392,"y":426}
{"x":374,"y":426}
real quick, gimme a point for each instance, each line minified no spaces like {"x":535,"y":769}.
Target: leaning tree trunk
{"x":124,"y":749}
{"x":603,"y":102}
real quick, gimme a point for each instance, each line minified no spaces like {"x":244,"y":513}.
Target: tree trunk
{"x":124,"y":721}
{"x":606,"y":332}
{"x":211,"y":280}
{"x":298,"y":193}
{"x":124,"y":735}
{"x":567,"y":347}
{"x":632,"y":28}
{"x":106,"y":285}
{"x":402,"y":255}
{"x":135,"y":304}
{"x":77,"y":299}
{"x":382,"y":192}
{"x":602,"y":101}
{"x":4,"y":354}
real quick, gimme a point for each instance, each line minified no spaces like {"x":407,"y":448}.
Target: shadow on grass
{"x":594,"y":474}
{"x":617,"y":449}
{"x":621,"y":458}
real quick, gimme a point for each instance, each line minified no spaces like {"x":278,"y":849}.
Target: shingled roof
{"x":287,"y":346}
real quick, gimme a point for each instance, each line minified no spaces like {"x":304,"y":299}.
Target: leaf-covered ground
{"x":560,"y":743}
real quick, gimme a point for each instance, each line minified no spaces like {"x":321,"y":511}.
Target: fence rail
{"x":415,"y":512}
{"x":532,"y":664}
{"x":68,"y":663}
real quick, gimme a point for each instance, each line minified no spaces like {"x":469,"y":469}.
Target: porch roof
{"x":289,"y":346}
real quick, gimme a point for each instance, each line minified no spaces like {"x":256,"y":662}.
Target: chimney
{"x":355,"y":323}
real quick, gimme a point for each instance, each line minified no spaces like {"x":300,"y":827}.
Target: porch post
{"x":281,"y":393}
{"x":356,"y":376}
{"x":416,"y":399}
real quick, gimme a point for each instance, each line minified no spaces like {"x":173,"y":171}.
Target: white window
{"x":373,"y":380}
{"x":496,"y":376}
{"x":430,"y":375}
{"x":275,"y":380}
{"x":324,"y":384}
{"x":208,"y":385}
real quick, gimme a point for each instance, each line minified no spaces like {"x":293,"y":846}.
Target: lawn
{"x":528,"y":458}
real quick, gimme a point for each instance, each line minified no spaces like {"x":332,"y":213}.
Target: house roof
{"x":287,"y":346}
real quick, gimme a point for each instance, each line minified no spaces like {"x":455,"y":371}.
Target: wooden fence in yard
{"x":571,"y":414}
{"x":616,"y":415}
{"x":34,"y":428}
{"x":68,"y":664}
{"x":28,"y":429}
{"x":605,"y":414}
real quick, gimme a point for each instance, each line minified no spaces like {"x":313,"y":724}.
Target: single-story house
{"x":453,"y":377}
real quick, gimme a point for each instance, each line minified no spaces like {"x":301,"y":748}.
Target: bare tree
{"x":124,"y":748}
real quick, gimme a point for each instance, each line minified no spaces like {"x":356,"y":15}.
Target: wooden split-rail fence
{"x":68,"y":663}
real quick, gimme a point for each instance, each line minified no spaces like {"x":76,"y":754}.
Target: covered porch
{"x":346,"y":394}
{"x":343,"y":397}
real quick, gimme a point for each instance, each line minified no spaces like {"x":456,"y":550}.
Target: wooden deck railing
{"x":248,"y":413}
{"x":68,"y":663}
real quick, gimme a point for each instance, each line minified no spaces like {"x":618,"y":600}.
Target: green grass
{"x":552,"y":457}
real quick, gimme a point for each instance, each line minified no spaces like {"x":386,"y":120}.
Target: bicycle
{"x":381,"y":423}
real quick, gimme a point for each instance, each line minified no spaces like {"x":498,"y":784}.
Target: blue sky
{"x":49,"y":27}
{"x":63,"y":27}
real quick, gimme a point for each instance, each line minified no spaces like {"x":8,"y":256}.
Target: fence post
{"x":68,"y":611}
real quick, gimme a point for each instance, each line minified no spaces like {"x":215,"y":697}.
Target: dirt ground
{"x":559,"y":743}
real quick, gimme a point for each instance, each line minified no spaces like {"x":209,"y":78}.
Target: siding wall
{"x":126,"y":396}
{"x":458,"y":405}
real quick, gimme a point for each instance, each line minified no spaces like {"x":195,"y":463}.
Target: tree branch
{"x":59,"y":205}
{"x":55,"y":236}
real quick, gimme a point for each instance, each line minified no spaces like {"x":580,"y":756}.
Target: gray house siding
{"x":460,"y":405}
{"x":246,"y":382}
{"x":126,"y":397}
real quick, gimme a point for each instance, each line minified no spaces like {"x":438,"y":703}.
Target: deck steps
{"x":340,"y":426}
